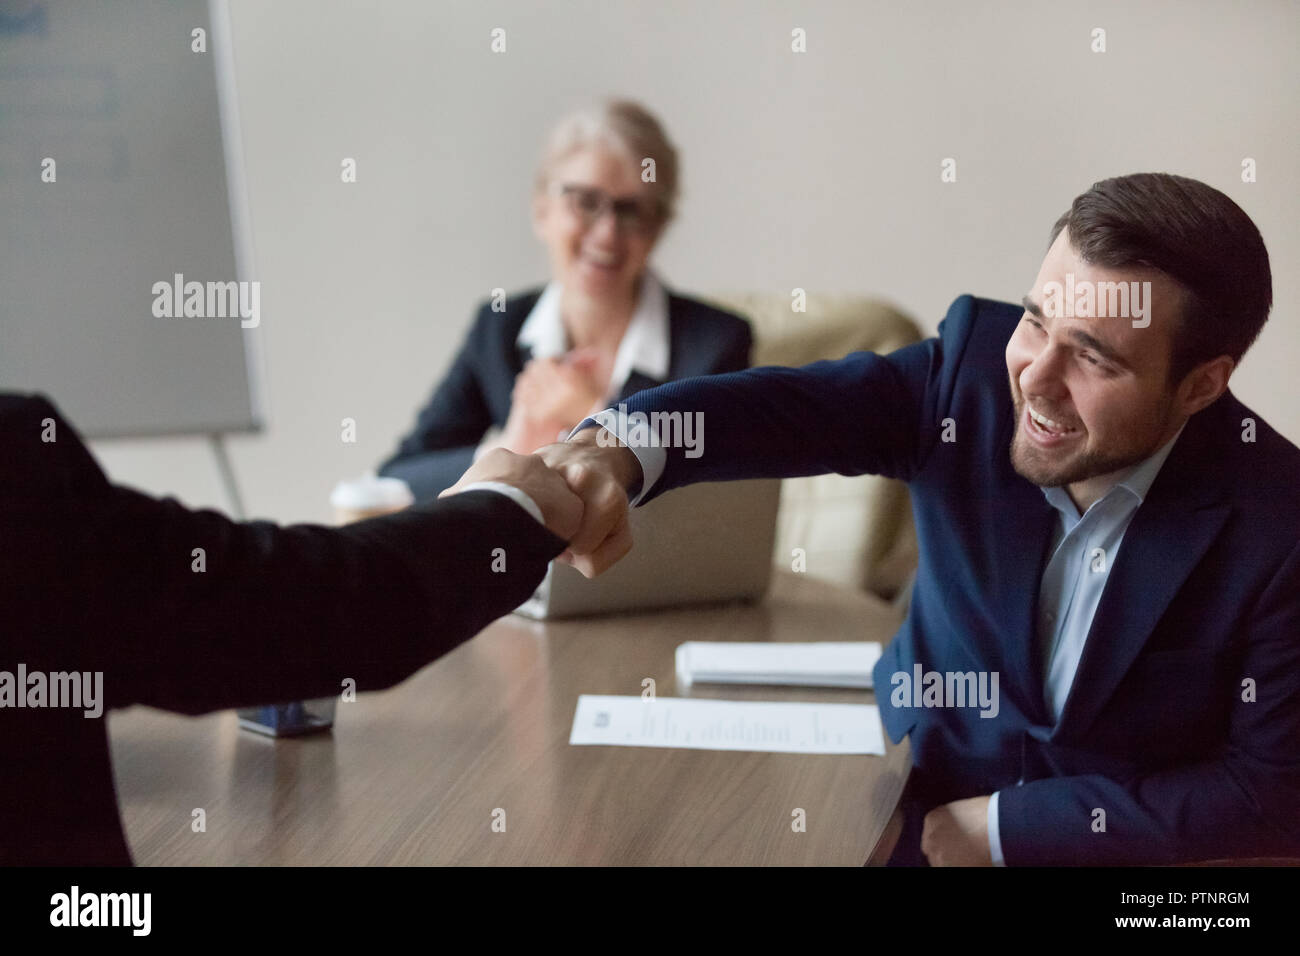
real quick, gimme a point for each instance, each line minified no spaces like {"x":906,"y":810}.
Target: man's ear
{"x":1203,"y":385}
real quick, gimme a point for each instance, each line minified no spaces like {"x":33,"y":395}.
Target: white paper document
{"x":810,"y":664}
{"x":728,"y":725}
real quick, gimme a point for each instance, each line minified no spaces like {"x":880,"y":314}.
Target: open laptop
{"x":702,"y":543}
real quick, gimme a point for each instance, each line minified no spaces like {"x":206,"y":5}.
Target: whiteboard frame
{"x":241,"y":227}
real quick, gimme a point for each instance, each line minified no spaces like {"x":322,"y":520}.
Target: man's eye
{"x":588,"y":201}
{"x":1088,"y":358}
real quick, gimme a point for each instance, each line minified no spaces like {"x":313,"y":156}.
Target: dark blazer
{"x":95,"y":577}
{"x":1183,"y":724}
{"x":475,"y":393}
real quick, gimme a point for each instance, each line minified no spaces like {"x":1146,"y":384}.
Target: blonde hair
{"x":624,"y":126}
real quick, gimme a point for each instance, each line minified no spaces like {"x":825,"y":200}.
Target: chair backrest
{"x":854,"y":531}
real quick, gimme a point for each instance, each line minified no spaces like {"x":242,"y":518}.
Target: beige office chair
{"x":853,"y":531}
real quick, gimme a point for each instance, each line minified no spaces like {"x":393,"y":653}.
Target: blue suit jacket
{"x":1183,"y":723}
{"x":475,"y":393}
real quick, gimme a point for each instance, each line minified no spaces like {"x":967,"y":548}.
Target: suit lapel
{"x":637,"y":382}
{"x":523,"y":355}
{"x":1170,"y":533}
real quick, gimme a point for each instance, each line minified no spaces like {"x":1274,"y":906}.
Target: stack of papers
{"x":727,"y":725}
{"x":811,"y":664}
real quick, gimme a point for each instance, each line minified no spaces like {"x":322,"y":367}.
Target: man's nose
{"x":1044,"y":375}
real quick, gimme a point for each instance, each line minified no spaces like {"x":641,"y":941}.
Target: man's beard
{"x":1030,"y":465}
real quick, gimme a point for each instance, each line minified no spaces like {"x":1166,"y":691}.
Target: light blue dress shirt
{"x":1084,"y":548}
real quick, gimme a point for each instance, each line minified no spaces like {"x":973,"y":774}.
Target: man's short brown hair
{"x":1198,"y":237}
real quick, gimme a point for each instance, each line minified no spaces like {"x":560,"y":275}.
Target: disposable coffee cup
{"x":369,"y":497}
{"x":366,"y":497}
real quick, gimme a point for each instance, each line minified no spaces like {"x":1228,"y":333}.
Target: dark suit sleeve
{"x":863,"y":414}
{"x":189,"y":611}
{"x":441,"y":446}
{"x":1244,"y":802}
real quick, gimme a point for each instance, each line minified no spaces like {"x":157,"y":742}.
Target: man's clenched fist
{"x":957,"y":834}
{"x":561,"y":508}
{"x":601,"y":475}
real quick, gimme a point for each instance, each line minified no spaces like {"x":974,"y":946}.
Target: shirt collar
{"x":644,"y":347}
{"x":543,"y":332}
{"x":1137,"y":480}
{"x":1143,"y":474}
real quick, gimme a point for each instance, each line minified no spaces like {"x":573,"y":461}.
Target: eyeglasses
{"x":590,"y":204}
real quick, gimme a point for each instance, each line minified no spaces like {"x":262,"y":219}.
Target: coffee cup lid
{"x":371,"y":491}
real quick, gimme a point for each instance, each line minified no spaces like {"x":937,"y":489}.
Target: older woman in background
{"x":604,"y":327}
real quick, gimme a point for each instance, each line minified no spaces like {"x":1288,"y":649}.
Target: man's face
{"x":1100,"y":381}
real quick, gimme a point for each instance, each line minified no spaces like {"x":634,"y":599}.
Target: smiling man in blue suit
{"x":1102,"y":525}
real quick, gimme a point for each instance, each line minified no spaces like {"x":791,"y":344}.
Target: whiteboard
{"x":147,"y":184}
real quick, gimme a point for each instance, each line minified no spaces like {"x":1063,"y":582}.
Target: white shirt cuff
{"x":510,"y":491}
{"x":995,"y":837}
{"x":652,"y":458}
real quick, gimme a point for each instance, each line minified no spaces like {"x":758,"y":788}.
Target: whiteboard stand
{"x":218,"y":442}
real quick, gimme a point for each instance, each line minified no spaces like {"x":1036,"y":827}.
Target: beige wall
{"x":818,"y":170}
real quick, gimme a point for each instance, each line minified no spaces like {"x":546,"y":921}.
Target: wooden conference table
{"x":417,"y":774}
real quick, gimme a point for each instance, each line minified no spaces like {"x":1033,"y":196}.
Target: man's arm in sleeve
{"x":1245,"y":802}
{"x":287,"y":612}
{"x":863,"y":414}
{"x":190,"y":611}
